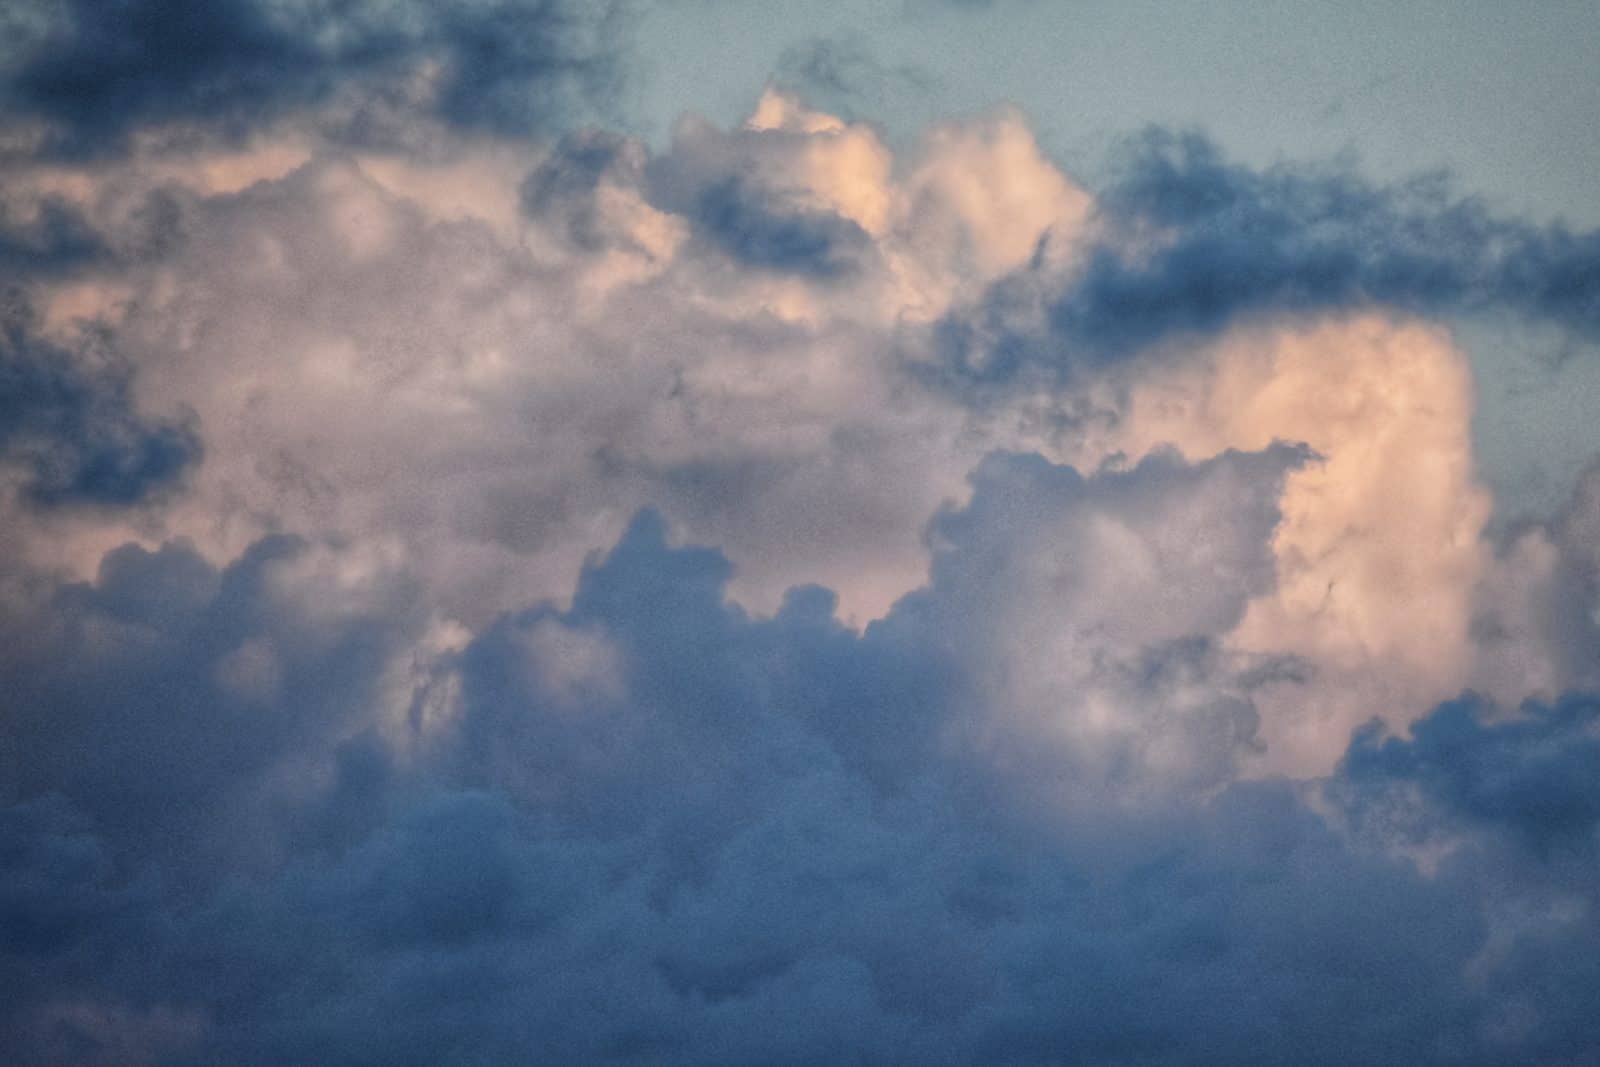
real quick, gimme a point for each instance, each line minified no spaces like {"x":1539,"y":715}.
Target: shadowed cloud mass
{"x":711,"y":855}
{"x":98,"y":72}
{"x":67,"y":424}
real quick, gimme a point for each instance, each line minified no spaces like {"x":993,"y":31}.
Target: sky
{"x":931,"y":531}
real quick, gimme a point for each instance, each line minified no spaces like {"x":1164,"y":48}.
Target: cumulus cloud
{"x":761,"y":842}
{"x":566,"y":335}
{"x":473,"y":592}
{"x":1387,"y":407}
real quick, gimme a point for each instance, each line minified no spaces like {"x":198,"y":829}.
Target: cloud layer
{"x":653,"y":827}
{"x":478,"y":587}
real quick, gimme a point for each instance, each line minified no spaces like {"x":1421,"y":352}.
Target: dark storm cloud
{"x":97,"y":71}
{"x":656,"y":829}
{"x":67,"y":420}
{"x":1192,"y":242}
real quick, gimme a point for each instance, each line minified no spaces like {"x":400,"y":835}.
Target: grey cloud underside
{"x":777,"y":841}
{"x":1192,"y":243}
{"x":98,"y":71}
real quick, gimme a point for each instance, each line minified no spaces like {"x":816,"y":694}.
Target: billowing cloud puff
{"x":652,"y":827}
{"x":1386,"y":406}
{"x":478,"y":593}
{"x":710,"y":330}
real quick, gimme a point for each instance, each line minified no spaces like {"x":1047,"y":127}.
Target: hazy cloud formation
{"x":841,"y":72}
{"x":478,"y":587}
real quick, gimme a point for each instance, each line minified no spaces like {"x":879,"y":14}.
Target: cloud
{"x":168,"y":686}
{"x":68,"y":425}
{"x":95,"y":74}
{"x":1084,"y":619}
{"x":554,"y":339}
{"x":1535,"y":617}
{"x":1387,"y":406}
{"x":840,"y":72}
{"x":1532,"y":775}
{"x":708,"y":867}
{"x":555,"y":335}
{"x":1189,"y":243}
{"x":51,"y":239}
{"x":1097,"y":699}
{"x":776,"y":239}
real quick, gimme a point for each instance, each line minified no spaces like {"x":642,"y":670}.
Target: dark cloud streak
{"x":100,"y":71}
{"x":1190,"y":243}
